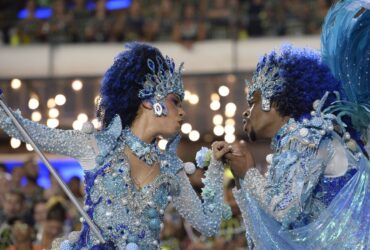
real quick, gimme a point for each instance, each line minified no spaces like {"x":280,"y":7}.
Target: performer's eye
{"x":176,"y":101}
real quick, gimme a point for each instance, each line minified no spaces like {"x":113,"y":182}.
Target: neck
{"x":278,"y":125}
{"x":141,"y":129}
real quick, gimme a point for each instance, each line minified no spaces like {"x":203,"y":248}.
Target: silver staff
{"x":29,"y":140}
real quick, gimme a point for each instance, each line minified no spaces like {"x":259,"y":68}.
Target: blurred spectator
{"x":98,"y":27}
{"x":58,"y":24}
{"x":23,"y":234}
{"x":295,"y":15}
{"x":218,"y":16}
{"x":75,"y":186}
{"x":31,"y":190}
{"x":173,"y":234}
{"x":5,"y":185}
{"x":54,"y":224}
{"x":13,"y":207}
{"x":73,"y":216}
{"x":275,"y":19}
{"x":117,"y":33}
{"x":165,"y":20}
{"x":255,"y":15}
{"x":182,"y":21}
{"x":54,"y":190}
{"x":317,"y":12}
{"x":190,"y":28}
{"x":17,"y":175}
{"x":29,"y":29}
{"x":79,"y":16}
{"x":39,"y":216}
{"x":8,"y":18}
{"x":3,"y":169}
{"x":134,"y":22}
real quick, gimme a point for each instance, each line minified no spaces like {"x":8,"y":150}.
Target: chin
{"x":169,"y":134}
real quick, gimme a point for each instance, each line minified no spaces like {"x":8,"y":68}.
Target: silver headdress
{"x":162,"y":82}
{"x":268,"y":81}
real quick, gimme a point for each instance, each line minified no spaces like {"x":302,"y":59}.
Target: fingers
{"x":219,"y":149}
{"x":242,"y":145}
{"x":219,"y":145}
{"x":225,"y":149}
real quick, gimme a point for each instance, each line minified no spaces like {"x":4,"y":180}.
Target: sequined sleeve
{"x":290,"y":179}
{"x":71,"y":143}
{"x":205,"y":216}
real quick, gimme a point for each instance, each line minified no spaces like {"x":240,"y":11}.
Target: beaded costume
{"x":129,"y":217}
{"x":316,"y":192}
{"x":124,"y":213}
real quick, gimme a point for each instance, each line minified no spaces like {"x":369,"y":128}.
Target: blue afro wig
{"x":123,"y":81}
{"x":305,"y":79}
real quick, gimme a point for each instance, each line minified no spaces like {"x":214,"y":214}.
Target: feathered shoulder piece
{"x":345,"y":46}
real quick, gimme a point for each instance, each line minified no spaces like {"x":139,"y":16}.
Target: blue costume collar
{"x":147,"y":152}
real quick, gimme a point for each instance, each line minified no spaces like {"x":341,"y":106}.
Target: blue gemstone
{"x":132,"y":246}
{"x":154,"y":224}
{"x":151,"y":65}
{"x":152,"y":213}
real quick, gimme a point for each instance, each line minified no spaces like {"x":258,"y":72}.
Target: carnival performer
{"x":128,"y":181}
{"x":315,"y":108}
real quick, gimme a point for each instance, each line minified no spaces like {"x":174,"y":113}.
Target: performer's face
{"x":171,"y":123}
{"x":261,"y":124}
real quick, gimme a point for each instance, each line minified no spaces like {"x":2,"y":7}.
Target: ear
{"x":147,"y":104}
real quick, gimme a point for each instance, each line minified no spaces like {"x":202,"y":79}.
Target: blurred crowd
{"x":183,"y":21}
{"x":31,"y":217}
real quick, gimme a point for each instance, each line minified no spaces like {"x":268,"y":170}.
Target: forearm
{"x":67,"y":142}
{"x":203,"y":216}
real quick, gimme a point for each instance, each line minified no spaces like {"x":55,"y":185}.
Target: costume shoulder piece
{"x":107,"y":139}
{"x":171,"y":162}
{"x":308,"y":133}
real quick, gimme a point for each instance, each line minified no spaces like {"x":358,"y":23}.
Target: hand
{"x":219,"y":149}
{"x":240,"y":159}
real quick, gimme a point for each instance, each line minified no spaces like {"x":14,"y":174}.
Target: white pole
{"x":70,"y":195}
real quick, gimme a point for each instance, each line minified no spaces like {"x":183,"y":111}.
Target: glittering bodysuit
{"x":126,"y":215}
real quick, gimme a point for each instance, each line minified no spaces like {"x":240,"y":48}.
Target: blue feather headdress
{"x":345,"y":45}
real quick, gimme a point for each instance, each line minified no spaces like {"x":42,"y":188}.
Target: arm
{"x":203,"y":216}
{"x":66,"y":142}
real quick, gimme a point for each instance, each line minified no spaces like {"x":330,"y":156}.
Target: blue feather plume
{"x":345,"y":47}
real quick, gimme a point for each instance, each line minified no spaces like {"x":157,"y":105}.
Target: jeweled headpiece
{"x":162,"y":82}
{"x":266,"y":78}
